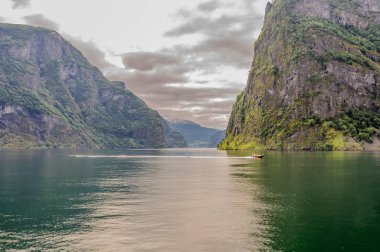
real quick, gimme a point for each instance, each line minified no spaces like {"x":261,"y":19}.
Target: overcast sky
{"x":186,"y":59}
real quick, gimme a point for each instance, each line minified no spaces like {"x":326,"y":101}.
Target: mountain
{"x":315,"y":79}
{"x":196,"y":135}
{"x":174,"y":139}
{"x":51,"y":97}
{"x":216,"y":138}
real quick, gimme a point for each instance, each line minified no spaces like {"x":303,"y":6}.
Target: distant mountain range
{"x":196,"y":135}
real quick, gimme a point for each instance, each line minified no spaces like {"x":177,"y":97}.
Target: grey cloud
{"x":184,"y":96}
{"x":241,"y":48}
{"x":226,"y":40}
{"x":209,"y":6}
{"x":155,"y":85}
{"x":40,"y":20}
{"x":18,"y":4}
{"x":153,"y":68}
{"x":187,"y":28}
{"x":91,"y":51}
{"x":183,"y":13}
{"x":2,"y":19}
{"x":179,"y":102}
{"x":224,"y":25}
{"x":148,"y":61}
{"x":216,"y":52}
{"x":142,"y":80}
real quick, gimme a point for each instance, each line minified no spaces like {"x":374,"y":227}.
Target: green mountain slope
{"x":315,"y":79}
{"x":50,"y":96}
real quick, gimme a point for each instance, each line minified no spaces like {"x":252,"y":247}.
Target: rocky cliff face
{"x":50,"y":96}
{"x":315,"y":78}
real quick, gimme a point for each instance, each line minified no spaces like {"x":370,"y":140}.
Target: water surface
{"x":189,"y":200}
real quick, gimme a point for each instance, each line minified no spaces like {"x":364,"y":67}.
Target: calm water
{"x":189,"y":200}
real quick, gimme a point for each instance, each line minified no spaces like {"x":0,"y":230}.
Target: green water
{"x":189,"y":200}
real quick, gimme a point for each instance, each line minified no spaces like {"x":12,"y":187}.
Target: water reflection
{"x":42,"y":196}
{"x":52,"y":201}
{"x":300,"y":201}
{"x":180,"y":206}
{"x":319,"y":201}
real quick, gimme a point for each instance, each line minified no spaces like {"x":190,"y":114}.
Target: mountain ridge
{"x":52,"y":97}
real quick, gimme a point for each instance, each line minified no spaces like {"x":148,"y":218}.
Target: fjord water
{"x":189,"y":200}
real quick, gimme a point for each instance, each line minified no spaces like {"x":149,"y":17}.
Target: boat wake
{"x":150,"y":157}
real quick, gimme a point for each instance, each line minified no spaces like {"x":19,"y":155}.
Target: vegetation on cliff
{"x":51,"y":97}
{"x":315,"y":79}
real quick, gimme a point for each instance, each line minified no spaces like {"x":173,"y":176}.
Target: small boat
{"x":258,"y":156}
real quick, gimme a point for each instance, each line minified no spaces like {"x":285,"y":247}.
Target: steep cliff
{"x":50,"y":96}
{"x":315,"y":78}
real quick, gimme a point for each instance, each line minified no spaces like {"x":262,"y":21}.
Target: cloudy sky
{"x":186,"y":59}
